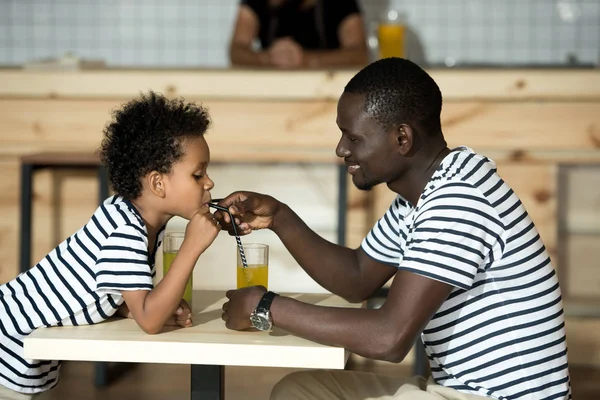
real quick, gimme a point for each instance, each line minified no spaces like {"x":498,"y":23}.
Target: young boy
{"x":156,"y":158}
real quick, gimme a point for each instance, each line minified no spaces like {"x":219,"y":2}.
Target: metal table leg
{"x":208,"y":382}
{"x":100,"y":374}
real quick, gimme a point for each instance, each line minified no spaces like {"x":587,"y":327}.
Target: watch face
{"x":260,"y":322}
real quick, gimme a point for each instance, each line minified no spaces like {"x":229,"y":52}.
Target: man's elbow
{"x":393,"y":355}
{"x":392,"y":349}
{"x":354,"y":297}
{"x":237,"y":51}
{"x":233,"y":58}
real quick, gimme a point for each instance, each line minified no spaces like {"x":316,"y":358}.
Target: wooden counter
{"x":529,"y":121}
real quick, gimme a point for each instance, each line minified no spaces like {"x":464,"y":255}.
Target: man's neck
{"x":413,"y":183}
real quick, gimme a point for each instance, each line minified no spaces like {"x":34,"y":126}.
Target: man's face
{"x":370,"y":152}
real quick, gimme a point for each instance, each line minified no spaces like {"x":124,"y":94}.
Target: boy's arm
{"x":153,"y":309}
{"x":122,"y":268}
{"x":123,"y":311}
{"x":182,"y":316}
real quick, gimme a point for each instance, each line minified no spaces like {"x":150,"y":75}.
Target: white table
{"x":208,"y":346}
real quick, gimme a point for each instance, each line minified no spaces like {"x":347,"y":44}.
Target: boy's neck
{"x":153,"y":218}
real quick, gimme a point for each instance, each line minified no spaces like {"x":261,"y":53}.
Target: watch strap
{"x":264,"y":304}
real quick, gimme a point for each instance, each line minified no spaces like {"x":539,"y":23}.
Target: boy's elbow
{"x":150,"y":327}
{"x":152,"y":330}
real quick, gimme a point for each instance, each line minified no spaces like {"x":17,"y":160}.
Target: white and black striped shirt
{"x":77,"y":283}
{"x":501,"y":332}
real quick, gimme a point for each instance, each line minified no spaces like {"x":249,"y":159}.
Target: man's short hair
{"x":398,"y":91}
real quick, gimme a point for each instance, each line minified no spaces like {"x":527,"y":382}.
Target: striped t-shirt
{"x":77,"y":283}
{"x":501,"y":332}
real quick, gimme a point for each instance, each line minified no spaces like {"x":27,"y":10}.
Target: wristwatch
{"x":261,"y":316}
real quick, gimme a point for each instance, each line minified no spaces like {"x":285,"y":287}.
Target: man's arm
{"x":352,"y":51}
{"x":349,"y":273}
{"x":246,"y":30}
{"x":387,"y":333}
{"x":346,"y":272}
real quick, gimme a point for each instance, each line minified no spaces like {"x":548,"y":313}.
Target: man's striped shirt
{"x":501,"y":332}
{"x":78,"y":283}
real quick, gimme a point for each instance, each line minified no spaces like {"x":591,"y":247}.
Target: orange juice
{"x":168,"y":258}
{"x":255,"y":274}
{"x":391,"y":40}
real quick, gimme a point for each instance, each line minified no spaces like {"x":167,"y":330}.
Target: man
{"x":471,"y":274}
{"x":299,"y":34}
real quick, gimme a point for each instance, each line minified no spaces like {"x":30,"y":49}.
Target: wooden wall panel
{"x":63,"y":202}
{"x":308,"y":128}
{"x":583,"y":343}
{"x":472,"y":84}
{"x":536,"y":186}
{"x":9,"y":218}
{"x":582,"y":278}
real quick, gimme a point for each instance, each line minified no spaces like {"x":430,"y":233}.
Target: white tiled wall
{"x":195,"y":33}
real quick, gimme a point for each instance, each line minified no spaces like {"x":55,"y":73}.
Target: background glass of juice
{"x":171,"y":245}
{"x":257,"y":273}
{"x":390,"y":35}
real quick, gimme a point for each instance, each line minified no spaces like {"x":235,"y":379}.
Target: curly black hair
{"x":399,"y":91}
{"x":146,"y":135}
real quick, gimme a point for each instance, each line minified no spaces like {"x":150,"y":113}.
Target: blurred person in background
{"x":299,"y":34}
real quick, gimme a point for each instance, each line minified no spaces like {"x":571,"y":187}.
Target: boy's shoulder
{"x":118,"y":214}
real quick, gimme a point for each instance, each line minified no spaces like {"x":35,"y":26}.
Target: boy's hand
{"x":201,"y":230}
{"x":182,"y":316}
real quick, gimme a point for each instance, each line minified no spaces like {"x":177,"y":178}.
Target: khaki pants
{"x":350,"y":385}
{"x":8,"y":394}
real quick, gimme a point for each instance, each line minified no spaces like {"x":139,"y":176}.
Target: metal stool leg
{"x":26,"y":210}
{"x":421,"y":365}
{"x":102,"y":184}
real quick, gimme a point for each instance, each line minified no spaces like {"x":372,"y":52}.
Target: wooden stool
{"x":33,"y":162}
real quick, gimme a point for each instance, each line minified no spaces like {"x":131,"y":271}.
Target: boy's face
{"x":188,"y":182}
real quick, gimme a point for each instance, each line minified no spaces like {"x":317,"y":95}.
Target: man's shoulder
{"x":463,"y":171}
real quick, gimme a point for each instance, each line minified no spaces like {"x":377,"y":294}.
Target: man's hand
{"x":252,"y":211}
{"x":286,"y":53}
{"x":236,"y":311}
{"x":182,"y":316}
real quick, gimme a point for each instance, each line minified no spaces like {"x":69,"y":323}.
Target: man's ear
{"x":405,"y":139}
{"x":156,"y":183}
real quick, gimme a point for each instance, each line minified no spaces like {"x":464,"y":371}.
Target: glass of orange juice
{"x":257,"y":270}
{"x":391,"y":35}
{"x":171,"y":245}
